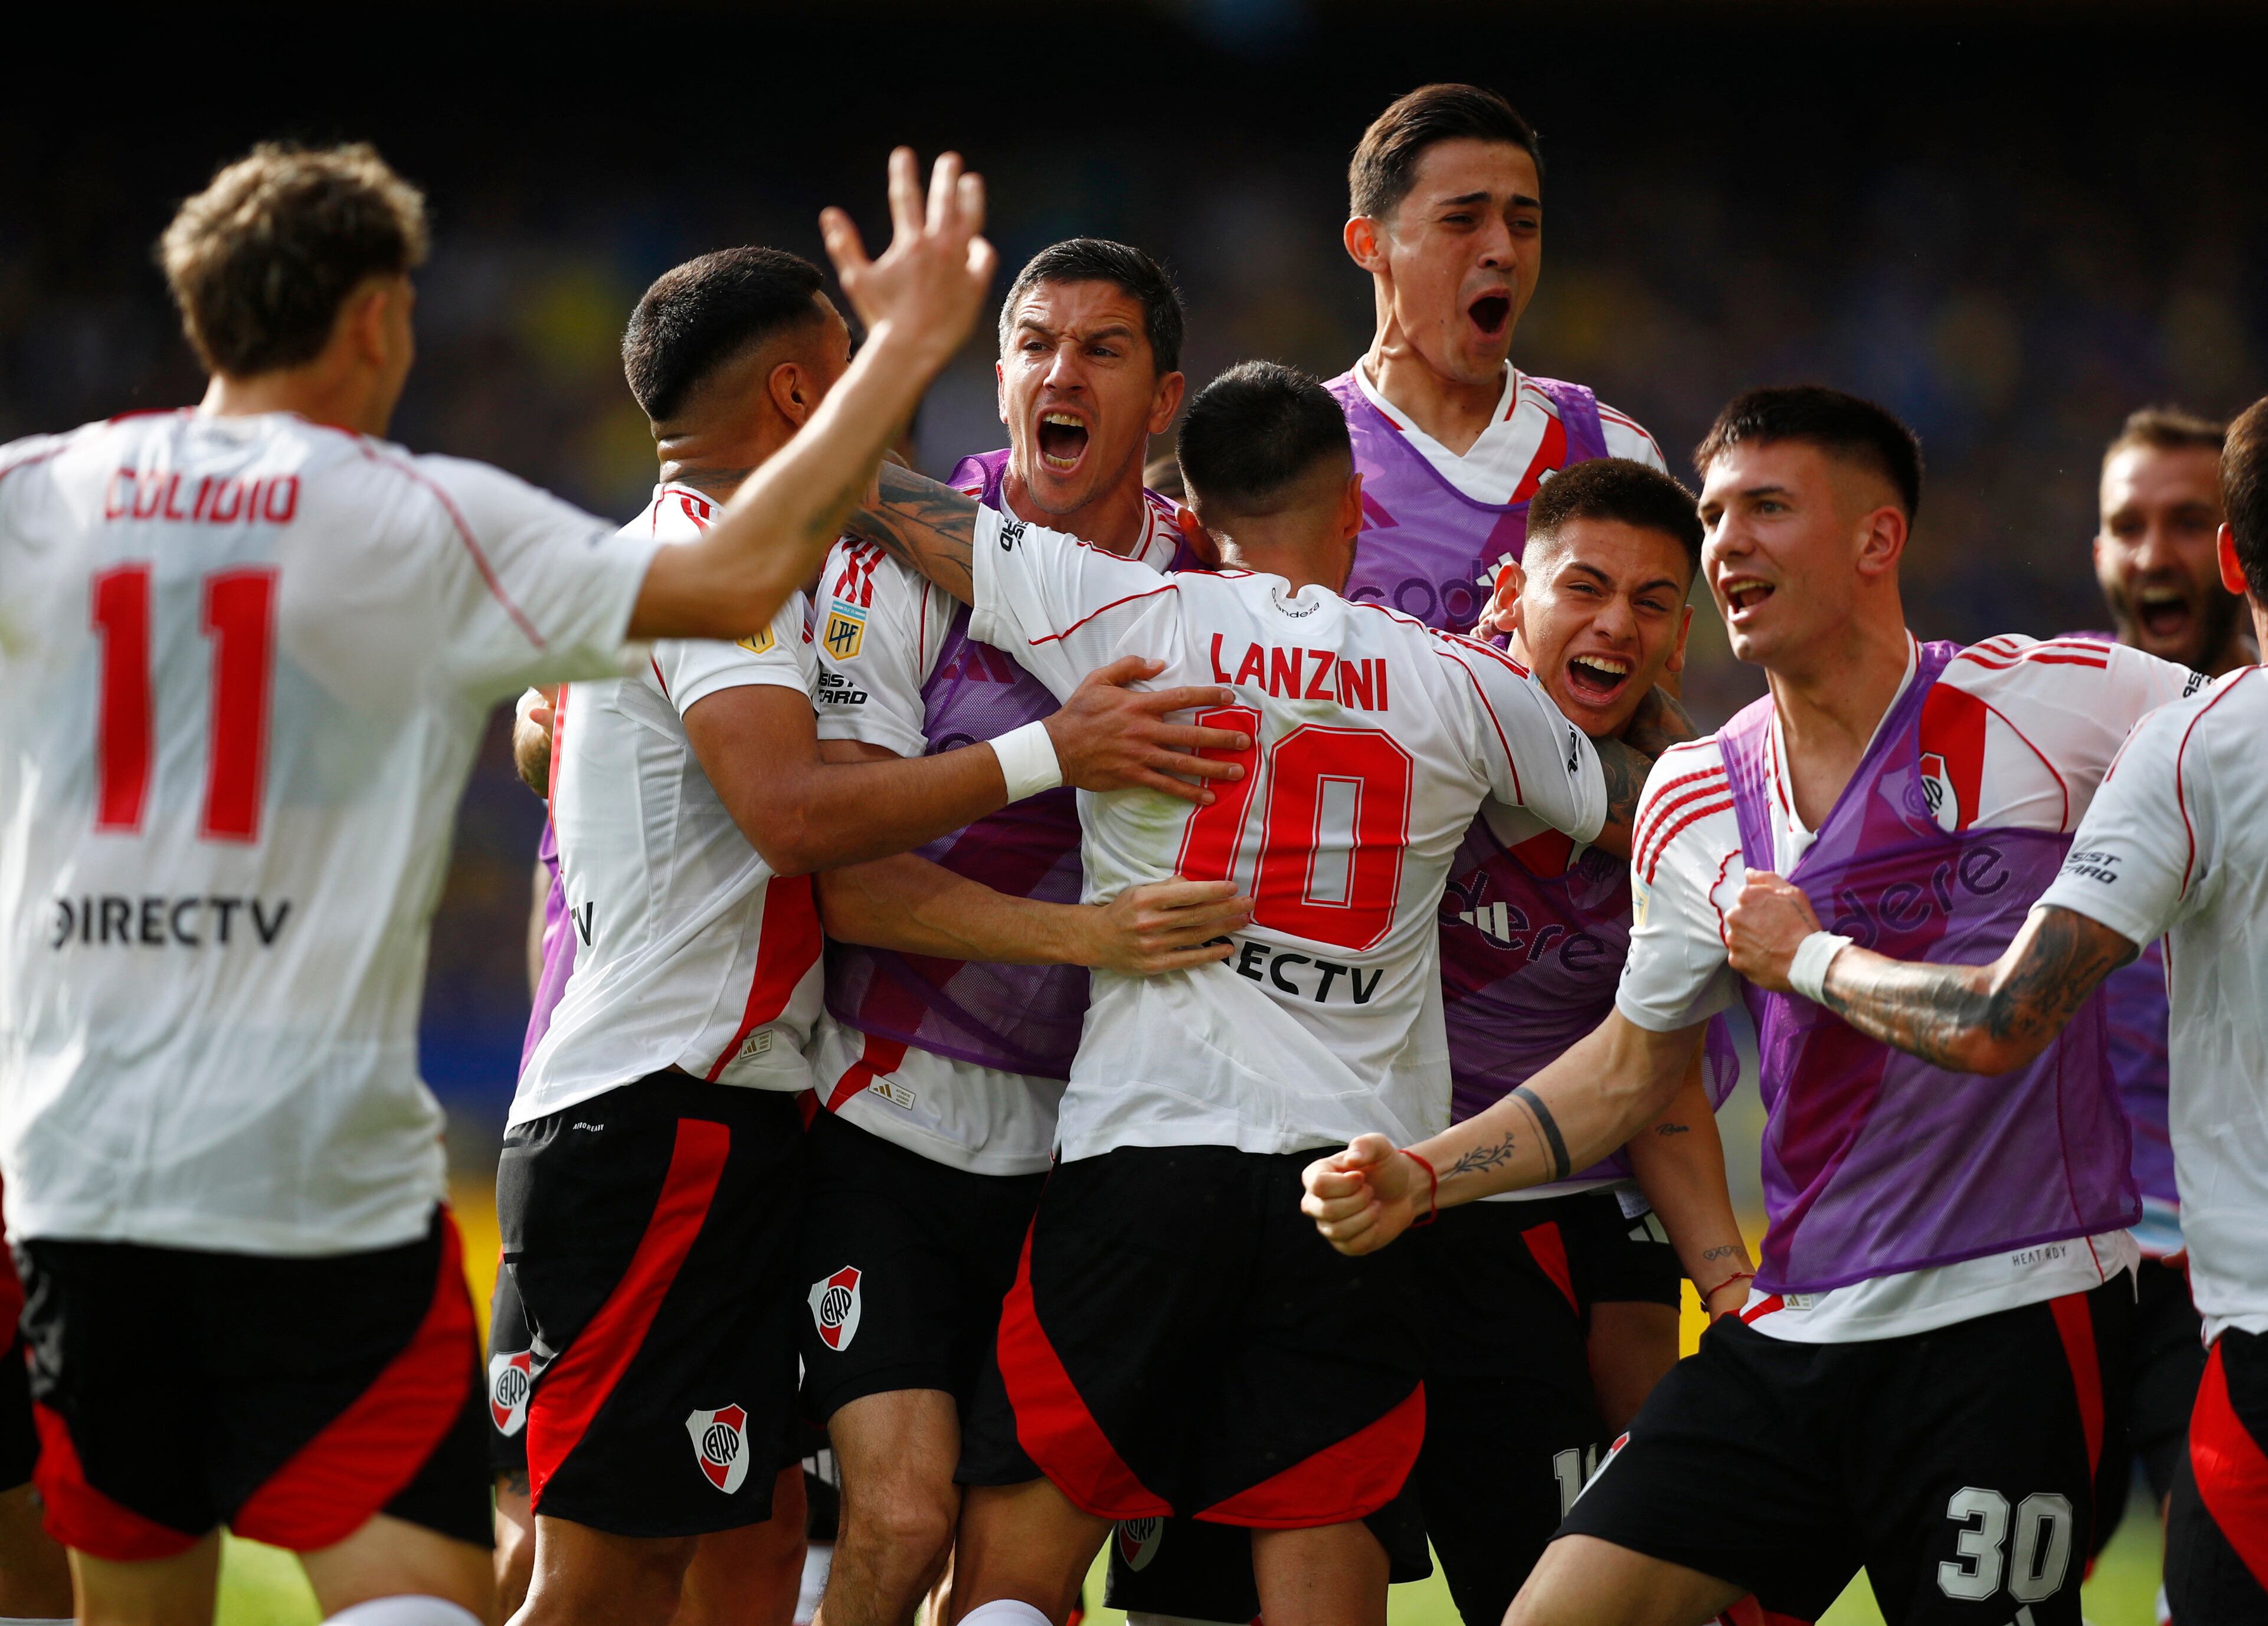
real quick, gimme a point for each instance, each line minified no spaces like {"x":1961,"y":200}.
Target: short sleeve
{"x":1042,"y":596}
{"x":692,"y":669}
{"x":1627,"y":437}
{"x":546,"y":591}
{"x":2138,"y":857}
{"x":1685,"y":853}
{"x":1533,"y":756}
{"x":877,"y":632}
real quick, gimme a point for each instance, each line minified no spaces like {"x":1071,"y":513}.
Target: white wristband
{"x":1027,"y":760}
{"x":1807,"y":972}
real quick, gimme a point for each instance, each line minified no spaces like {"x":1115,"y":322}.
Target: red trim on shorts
{"x":573,"y":1386}
{"x":367,"y":1455}
{"x":881,"y":1055}
{"x":2075,"y":1323}
{"x":2231,"y":1469}
{"x":1549,"y":1249}
{"x":1349,"y":1480}
{"x":1053,"y":1425}
{"x":787,"y":945}
{"x":81,"y":1517}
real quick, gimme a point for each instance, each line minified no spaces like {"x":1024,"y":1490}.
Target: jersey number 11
{"x":238,"y":617}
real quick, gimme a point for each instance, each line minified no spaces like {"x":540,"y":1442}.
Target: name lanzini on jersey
{"x":1297,"y":673}
{"x":153,"y":921}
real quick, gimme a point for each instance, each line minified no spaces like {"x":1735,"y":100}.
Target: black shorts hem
{"x":821,"y":1405}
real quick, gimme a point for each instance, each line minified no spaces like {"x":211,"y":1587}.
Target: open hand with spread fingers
{"x":925,"y":290}
{"x":1111,"y":737}
{"x":1364,"y":1197}
{"x":1764,"y":927}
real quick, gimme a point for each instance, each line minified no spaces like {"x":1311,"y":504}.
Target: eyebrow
{"x":1113,"y":330}
{"x":1520,"y":199}
{"x":1588,"y":569}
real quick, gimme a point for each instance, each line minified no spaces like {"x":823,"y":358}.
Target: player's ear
{"x":1882,"y":541}
{"x":1000,"y":390}
{"x":363,"y":322}
{"x":1504,"y":599}
{"x":791,"y":393}
{"x":1350,"y":508}
{"x":1201,"y":540}
{"x":1676,"y":662}
{"x":1166,"y":401}
{"x":1361,"y":235}
{"x":2232,"y":568}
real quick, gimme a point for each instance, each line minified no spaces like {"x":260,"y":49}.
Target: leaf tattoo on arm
{"x":1482,"y":1160}
{"x":929,"y":526}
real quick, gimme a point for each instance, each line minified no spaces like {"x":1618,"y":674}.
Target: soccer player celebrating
{"x":1171,"y":1344}
{"x":939,"y":1066}
{"x":2156,"y":557}
{"x":2174,"y":845}
{"x":647,"y":1192}
{"x":246,"y":651}
{"x":1930,"y":1365}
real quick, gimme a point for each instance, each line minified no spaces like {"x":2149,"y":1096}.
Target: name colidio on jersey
{"x":155,"y":921}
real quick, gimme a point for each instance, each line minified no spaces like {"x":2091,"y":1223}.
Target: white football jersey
{"x":1376,"y":739}
{"x":2024,"y":731}
{"x":2177,"y":844}
{"x":689,"y":953}
{"x":951,"y":1111}
{"x":244,"y":664}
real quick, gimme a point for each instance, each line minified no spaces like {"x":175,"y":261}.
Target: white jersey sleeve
{"x":530,"y":589}
{"x":1685,"y":852}
{"x":880,"y":626}
{"x":1063,"y":608}
{"x":2145,"y":852}
{"x":1627,"y":437}
{"x":1534,"y":756}
{"x":692,"y":669}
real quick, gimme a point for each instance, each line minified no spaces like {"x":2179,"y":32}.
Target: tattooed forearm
{"x":1673,"y":1129}
{"x":1549,"y":1126}
{"x":929,"y":526}
{"x":1980,"y":1019}
{"x":1625,"y":770}
{"x":1722,"y":1252}
{"x":1481,"y":1159}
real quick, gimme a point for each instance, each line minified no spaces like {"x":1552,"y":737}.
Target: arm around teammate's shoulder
{"x":1532,"y":756}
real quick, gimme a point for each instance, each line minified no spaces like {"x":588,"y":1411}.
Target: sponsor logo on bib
{"x":510,"y":1379}
{"x":1137,"y":1541}
{"x":834,"y":1307}
{"x":720,"y":1446}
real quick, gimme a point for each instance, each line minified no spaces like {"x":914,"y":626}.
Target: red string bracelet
{"x":1434,"y":1195}
{"x":1737,"y":1275}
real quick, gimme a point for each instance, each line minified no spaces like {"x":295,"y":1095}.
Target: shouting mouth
{"x":1491,"y":313}
{"x":1742,"y":595}
{"x":2163,"y":612}
{"x":1597,"y":679}
{"x":1062,"y":441}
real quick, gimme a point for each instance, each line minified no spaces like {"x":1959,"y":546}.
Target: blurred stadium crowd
{"x":2009,"y":240}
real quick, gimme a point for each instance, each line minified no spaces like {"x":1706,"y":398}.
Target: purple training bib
{"x":1876,"y":1162}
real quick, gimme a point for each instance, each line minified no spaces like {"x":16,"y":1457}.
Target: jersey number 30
{"x":1337,"y":822}
{"x":238,"y":617}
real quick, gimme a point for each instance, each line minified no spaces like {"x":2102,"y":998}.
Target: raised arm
{"x":918,"y":302}
{"x":1965,"y":1018}
{"x":1601,"y":1090}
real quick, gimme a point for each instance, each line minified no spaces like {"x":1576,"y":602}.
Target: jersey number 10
{"x":1321,"y":781}
{"x":238,"y":617}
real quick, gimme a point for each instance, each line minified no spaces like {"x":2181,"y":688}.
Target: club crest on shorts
{"x":510,"y":1379}
{"x":720,"y":1446}
{"x":834,"y":1307}
{"x":1137,"y":1541}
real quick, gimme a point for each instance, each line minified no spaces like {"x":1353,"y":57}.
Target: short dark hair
{"x":1255,"y":431}
{"x":1385,"y":164}
{"x":2244,"y":494}
{"x":1615,"y":487}
{"x":2166,"y":429}
{"x":261,"y":262}
{"x":1844,"y":426}
{"x":700,"y":315}
{"x":1129,"y":270}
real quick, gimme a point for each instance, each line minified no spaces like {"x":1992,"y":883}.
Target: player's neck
{"x":1452,"y":411}
{"x":1828,"y":709}
{"x":2259,"y":613}
{"x":318,"y":393}
{"x":1114,"y":519}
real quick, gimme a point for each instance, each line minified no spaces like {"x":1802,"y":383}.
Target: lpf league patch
{"x":846,"y":630}
{"x":720,"y":1446}
{"x":510,"y":1379}
{"x":834,"y":1307}
{"x":758,"y":643}
{"x":1137,"y":1541}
